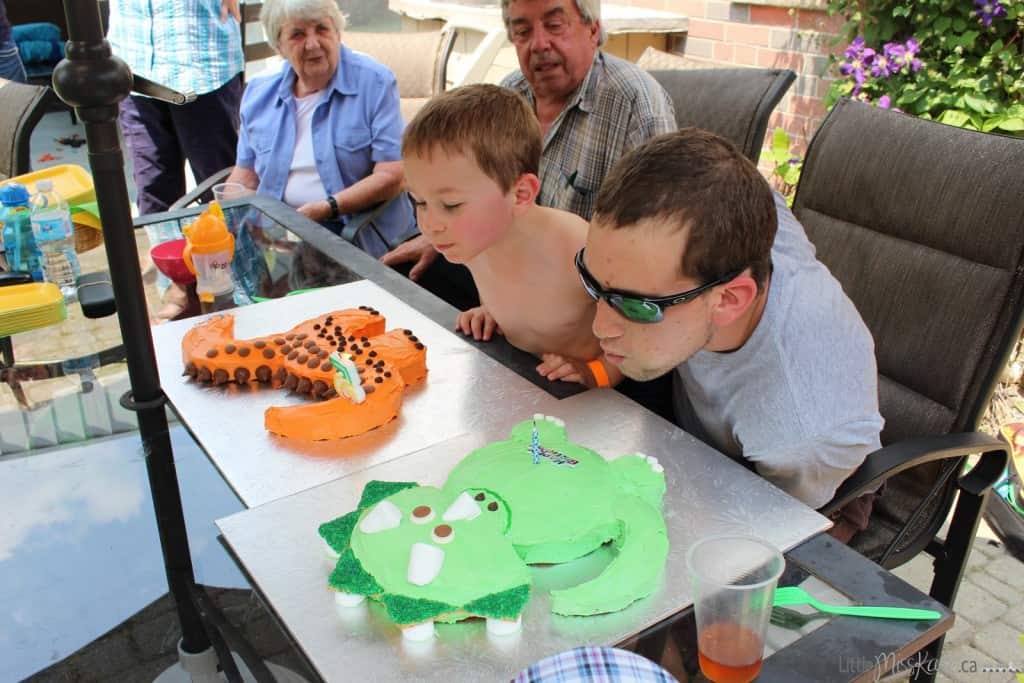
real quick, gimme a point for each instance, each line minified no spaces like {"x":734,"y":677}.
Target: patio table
{"x":483,"y":389}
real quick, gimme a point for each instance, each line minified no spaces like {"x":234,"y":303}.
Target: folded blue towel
{"x":38,"y":43}
{"x":39,"y":31}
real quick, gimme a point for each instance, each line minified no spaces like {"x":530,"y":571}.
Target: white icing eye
{"x":425,"y":562}
{"x":421,"y":514}
{"x":464,"y":507}
{"x":443,"y":534}
{"x":384,"y":515}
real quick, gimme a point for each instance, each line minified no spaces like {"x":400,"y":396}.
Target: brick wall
{"x":767,"y":36}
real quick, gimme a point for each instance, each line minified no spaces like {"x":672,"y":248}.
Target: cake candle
{"x":535,"y":444}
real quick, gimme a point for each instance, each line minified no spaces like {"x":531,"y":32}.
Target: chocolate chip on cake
{"x":368,"y":389}
{"x":442,"y":531}
{"x":279,"y":341}
{"x":293,"y":355}
{"x":212,"y":353}
{"x":322,"y":354}
{"x":492,"y":506}
{"x":259,"y":344}
{"x":243,"y":351}
{"x":268,"y":353}
{"x":421,"y":511}
{"x":286,"y":349}
{"x":316,"y":326}
{"x":378,"y":380}
{"x":326,"y":367}
{"x":229,"y":348}
{"x":413,"y":338}
{"x":387,"y":374}
{"x":351,"y":337}
{"x":407,"y":332}
{"x":369,"y":361}
{"x":419,"y":346}
{"x":289,"y":337}
{"x":301,"y":336}
{"x":362,"y":339}
{"x":303,"y":358}
{"x":313,"y":362}
{"x":190,"y":369}
{"x":479,"y":496}
{"x":373,"y":354}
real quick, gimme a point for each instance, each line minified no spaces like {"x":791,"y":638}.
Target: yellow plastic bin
{"x":72,"y":182}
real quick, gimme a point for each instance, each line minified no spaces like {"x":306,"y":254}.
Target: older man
{"x":593,"y":107}
{"x":699,"y":272}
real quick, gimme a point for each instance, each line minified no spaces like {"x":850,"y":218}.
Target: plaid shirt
{"x":178,"y":43}
{"x":616,"y":108}
{"x":594,"y":665}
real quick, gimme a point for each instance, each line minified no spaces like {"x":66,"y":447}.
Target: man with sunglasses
{"x":698,"y":269}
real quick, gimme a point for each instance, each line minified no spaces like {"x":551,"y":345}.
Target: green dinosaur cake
{"x":446,"y":554}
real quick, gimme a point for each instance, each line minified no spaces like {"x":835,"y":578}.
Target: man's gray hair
{"x":276,"y":13}
{"x":590,"y":10}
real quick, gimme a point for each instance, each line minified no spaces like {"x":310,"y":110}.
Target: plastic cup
{"x":733,"y":579}
{"x":225,"y":191}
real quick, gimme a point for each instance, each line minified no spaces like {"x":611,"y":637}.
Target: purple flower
{"x":854,"y":49}
{"x":884,"y":101}
{"x":857,"y":62}
{"x":988,"y":10}
{"x":904,"y":56}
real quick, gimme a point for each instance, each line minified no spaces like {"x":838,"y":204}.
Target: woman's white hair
{"x":276,"y":13}
{"x":590,"y":10}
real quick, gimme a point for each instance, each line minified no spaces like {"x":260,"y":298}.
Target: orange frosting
{"x":298,"y":360}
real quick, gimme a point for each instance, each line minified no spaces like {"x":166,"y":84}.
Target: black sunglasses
{"x":637,"y":307}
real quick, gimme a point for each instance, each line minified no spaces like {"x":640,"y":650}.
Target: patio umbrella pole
{"x":94,"y":82}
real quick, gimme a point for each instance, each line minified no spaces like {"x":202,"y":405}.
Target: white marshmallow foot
{"x":419,"y":632}
{"x":329,"y":550}
{"x":348,"y":599}
{"x":504,"y":627}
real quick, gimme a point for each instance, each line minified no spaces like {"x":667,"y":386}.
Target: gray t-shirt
{"x":799,"y":400}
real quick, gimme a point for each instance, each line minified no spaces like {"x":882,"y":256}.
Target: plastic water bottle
{"x":19,"y":244}
{"x":55,"y":238}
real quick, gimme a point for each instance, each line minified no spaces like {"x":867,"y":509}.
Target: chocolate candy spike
{"x":291,"y":382}
{"x":281,"y":375}
{"x":319,"y":388}
{"x":304,"y":386}
{"x":242,"y":375}
{"x":263,"y":374}
{"x":330,"y":393}
{"x":220,"y":376}
{"x":204,"y":375}
{"x":190,"y":369}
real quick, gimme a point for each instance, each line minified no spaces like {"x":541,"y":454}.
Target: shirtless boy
{"x":471,"y":160}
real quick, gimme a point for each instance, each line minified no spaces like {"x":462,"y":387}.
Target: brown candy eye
{"x":443,"y":533}
{"x":422,"y":514}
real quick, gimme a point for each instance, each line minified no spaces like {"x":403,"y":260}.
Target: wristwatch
{"x":334,"y":206}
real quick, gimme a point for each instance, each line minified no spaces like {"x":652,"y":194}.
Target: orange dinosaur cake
{"x":345,"y":358}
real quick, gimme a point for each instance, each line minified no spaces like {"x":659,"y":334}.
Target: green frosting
{"x":376,"y":491}
{"x":403,"y":610}
{"x":564,"y":506}
{"x":350,"y":577}
{"x":504,"y":605}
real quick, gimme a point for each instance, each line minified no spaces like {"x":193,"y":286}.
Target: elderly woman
{"x":324,"y":134}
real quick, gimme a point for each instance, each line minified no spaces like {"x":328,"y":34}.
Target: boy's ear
{"x":525,"y":190}
{"x":734,"y":299}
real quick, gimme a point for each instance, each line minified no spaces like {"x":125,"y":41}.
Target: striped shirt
{"x":178,"y":43}
{"x":594,"y":665}
{"x":616,"y":108}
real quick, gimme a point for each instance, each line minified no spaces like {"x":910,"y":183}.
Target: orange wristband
{"x":596,"y":368}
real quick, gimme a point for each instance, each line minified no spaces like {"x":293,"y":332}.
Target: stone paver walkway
{"x":989,"y":615}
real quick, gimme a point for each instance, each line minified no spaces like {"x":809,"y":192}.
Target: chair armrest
{"x":15,"y":277}
{"x":895,"y":458}
{"x":201,"y":189}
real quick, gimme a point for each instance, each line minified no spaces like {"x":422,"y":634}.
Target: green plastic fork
{"x":794,"y":595}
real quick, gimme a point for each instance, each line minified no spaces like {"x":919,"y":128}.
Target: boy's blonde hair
{"x":494,"y":124}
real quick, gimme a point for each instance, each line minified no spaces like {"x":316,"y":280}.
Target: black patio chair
{"x":21,"y":107}
{"x":734,"y":103}
{"x":922,"y":224}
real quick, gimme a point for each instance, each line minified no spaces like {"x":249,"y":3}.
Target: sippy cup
{"x":208,"y":254}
